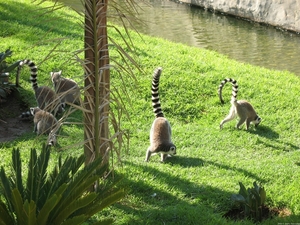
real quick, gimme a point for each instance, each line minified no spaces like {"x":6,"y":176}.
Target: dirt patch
{"x":237,"y":214}
{"x":11,"y":126}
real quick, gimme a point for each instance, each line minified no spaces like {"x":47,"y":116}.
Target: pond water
{"x":241,"y":40}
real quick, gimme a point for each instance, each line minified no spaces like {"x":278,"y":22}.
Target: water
{"x":241,"y":40}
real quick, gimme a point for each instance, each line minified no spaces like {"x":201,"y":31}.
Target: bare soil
{"x":237,"y":214}
{"x":11,"y":126}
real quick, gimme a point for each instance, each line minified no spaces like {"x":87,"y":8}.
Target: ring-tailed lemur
{"x":45,"y":123}
{"x":46,"y":98}
{"x":67,"y":89}
{"x":160,"y":133}
{"x":242,"y":108}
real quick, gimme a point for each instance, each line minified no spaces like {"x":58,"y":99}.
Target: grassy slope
{"x":196,"y":185}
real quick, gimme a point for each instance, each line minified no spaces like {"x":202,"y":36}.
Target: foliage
{"x":252,"y":200}
{"x":57,"y":197}
{"x":5,"y":86}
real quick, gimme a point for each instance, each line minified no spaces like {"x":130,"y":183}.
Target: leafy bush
{"x":252,"y":200}
{"x":59,"y":197}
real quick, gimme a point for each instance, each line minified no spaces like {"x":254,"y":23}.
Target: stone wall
{"x":280,"y":13}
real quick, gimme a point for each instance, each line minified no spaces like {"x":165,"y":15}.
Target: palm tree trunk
{"x":97,"y":81}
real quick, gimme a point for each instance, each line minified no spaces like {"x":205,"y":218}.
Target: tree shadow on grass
{"x":186,"y":203}
{"x":12,"y":13}
{"x":279,"y":145}
{"x":239,"y":170}
{"x":174,"y":199}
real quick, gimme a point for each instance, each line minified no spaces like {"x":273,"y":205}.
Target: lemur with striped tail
{"x":45,"y":123}
{"x":67,"y":89}
{"x":46,"y":98}
{"x":241,"y":108}
{"x":160,"y":133}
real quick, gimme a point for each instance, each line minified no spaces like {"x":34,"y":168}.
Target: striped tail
{"x":234,"y":89}
{"x":155,"y":96}
{"x":33,"y":71}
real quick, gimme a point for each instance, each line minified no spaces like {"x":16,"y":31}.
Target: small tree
{"x":96,"y":64}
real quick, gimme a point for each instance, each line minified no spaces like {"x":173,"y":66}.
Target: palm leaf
{"x":17,"y":166}
{"x":79,"y":163}
{"x":78,"y":185}
{"x":75,"y":220}
{"x":6,"y":188}
{"x":18,"y":206}
{"x":46,"y":209}
{"x":32,"y":174}
{"x":79,"y":203}
{"x":29,"y":212}
{"x":42,"y":164}
{"x":71,"y":196}
{"x":62,"y":176}
{"x":5,"y":216}
{"x":101,"y":203}
{"x":49,"y":205}
{"x":243,"y":190}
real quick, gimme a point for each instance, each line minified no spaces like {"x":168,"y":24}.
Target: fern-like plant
{"x":59,"y":197}
{"x":252,"y":200}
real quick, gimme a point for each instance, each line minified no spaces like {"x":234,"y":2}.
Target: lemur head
{"x":52,"y":139}
{"x":172,"y":150}
{"x":257,"y":121}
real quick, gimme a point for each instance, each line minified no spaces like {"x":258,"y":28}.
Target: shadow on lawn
{"x":238,"y":170}
{"x":174,"y":199}
{"x":280,"y":145}
{"x":12,"y":13}
{"x":193,"y":204}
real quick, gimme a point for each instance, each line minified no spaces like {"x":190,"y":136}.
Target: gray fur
{"x":67,"y":89}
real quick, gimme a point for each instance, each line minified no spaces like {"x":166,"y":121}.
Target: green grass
{"x":195,"y":186}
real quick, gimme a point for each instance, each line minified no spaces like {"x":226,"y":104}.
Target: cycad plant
{"x":57,"y":197}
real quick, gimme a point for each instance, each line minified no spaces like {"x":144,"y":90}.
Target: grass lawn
{"x":195,"y":186}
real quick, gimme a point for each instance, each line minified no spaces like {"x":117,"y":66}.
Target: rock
{"x":279,"y":13}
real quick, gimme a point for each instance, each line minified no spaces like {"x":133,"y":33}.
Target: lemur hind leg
{"x":241,"y":121}
{"x":229,"y":117}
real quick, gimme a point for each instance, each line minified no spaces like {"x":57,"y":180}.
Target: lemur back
{"x":160,"y":133}
{"x":67,"y":89}
{"x":45,"y":96}
{"x":241,"y":108}
{"x":45,"y":123}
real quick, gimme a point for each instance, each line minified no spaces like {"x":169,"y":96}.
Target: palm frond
{"x":17,"y":167}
